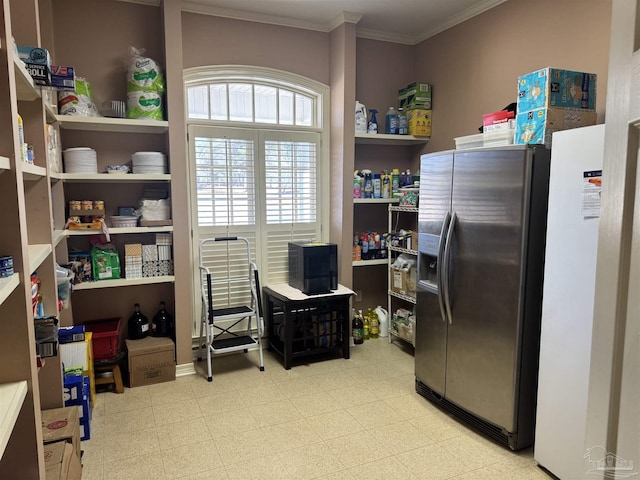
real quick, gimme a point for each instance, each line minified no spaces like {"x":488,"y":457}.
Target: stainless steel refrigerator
{"x":481,"y":221}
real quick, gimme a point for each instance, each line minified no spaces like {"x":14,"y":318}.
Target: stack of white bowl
{"x":149,"y":162}
{"x":80,"y":160}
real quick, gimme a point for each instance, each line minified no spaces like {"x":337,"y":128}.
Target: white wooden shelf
{"x":123,"y":282}
{"x":386,"y":139}
{"x":106,"y":124}
{"x":37,"y":254}
{"x":50,"y":113}
{"x":58,"y":236}
{"x":8,"y":285}
{"x":366,"y":263}
{"x":119,"y":230}
{"x":25,"y":87}
{"x":5,"y":164}
{"x":33,"y":172}
{"x":376,"y":200}
{"x":12,"y":397}
{"x":110,"y":177}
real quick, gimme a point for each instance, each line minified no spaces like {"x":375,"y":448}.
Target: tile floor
{"x":337,"y":419}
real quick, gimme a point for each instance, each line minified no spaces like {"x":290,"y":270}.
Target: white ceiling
{"x":401,"y":21}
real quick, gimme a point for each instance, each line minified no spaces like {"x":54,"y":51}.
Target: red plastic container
{"x":105,"y":338}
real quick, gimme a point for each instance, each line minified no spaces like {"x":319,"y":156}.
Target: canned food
{"x":98,"y":205}
{"x":6,"y":262}
{"x":75,"y":205}
{"x":87,"y":205}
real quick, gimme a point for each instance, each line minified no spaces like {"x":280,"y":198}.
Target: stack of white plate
{"x":80,"y":160}
{"x":149,"y":162}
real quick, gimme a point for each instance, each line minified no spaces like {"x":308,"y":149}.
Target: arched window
{"x":258,"y":162}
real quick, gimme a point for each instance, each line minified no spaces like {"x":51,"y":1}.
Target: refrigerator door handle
{"x":445,"y":264}
{"x":440,"y":263}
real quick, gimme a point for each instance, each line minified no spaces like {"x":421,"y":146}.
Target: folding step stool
{"x":220,"y":338}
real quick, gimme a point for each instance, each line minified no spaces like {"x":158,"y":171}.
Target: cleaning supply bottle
{"x":373,"y":123}
{"x":377,"y":186}
{"x":357,"y":185}
{"x":391,"y":122}
{"x":368,"y":184}
{"x":395,"y":181}
{"x":386,"y":185}
{"x":361,"y":118}
{"x":402,"y":122}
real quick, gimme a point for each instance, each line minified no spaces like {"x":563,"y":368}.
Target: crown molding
{"x":463,"y":16}
{"x":344,"y":17}
{"x":385,"y":36}
{"x":152,"y":3}
{"x":196,"y":7}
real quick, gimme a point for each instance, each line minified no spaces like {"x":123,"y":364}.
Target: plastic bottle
{"x":365,"y":326}
{"x":162,"y":325}
{"x":361,"y":118}
{"x":138,"y":324}
{"x":377,"y":186}
{"x":374,"y":324}
{"x":373,"y":123}
{"x":23,"y":145}
{"x":395,"y":181}
{"x":402,"y":122}
{"x":368,"y":184}
{"x":383,"y":319}
{"x":357,"y":185}
{"x":386,"y":185}
{"x":391,"y":121}
{"x":357,"y":329}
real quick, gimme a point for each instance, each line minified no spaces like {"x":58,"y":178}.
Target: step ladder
{"x":218,"y":332}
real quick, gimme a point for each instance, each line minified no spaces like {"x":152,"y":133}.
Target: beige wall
{"x":209,"y":40}
{"x":474,"y":66}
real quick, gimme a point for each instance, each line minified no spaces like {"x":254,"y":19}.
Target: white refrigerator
{"x":568,"y":297}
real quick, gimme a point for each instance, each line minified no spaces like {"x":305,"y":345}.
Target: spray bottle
{"x":373,"y":123}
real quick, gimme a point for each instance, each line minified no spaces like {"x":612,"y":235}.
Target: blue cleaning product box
{"x":71,"y":334}
{"x":555,"y":87}
{"x":537,"y":126}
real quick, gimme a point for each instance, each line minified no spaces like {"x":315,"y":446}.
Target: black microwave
{"x":313,"y":267}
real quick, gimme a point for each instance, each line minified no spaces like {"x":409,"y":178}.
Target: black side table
{"x":302,"y":325}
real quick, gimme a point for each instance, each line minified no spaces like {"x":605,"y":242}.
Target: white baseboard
{"x":185,"y":369}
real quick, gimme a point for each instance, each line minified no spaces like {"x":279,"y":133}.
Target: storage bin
{"x":119,"y":221}
{"x":491,"y":139}
{"x":105,"y":335}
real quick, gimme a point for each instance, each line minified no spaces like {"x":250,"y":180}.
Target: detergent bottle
{"x":361,"y":118}
{"x":383,"y":321}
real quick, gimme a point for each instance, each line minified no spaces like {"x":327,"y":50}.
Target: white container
{"x":123,"y":221}
{"x":491,"y":139}
{"x":383,"y":318}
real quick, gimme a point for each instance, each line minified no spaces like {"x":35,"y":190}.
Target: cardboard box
{"x":71,"y":334}
{"x":62,"y":424}
{"x":554,"y":87}
{"x":76,"y":393}
{"x":418,"y":96}
{"x":60,"y":463}
{"x":537,"y":126}
{"x":403,"y":281}
{"x":419,"y":122}
{"x":496,"y":118}
{"x":151,"y":360}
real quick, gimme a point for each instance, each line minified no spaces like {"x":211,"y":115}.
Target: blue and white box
{"x":555,"y":87}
